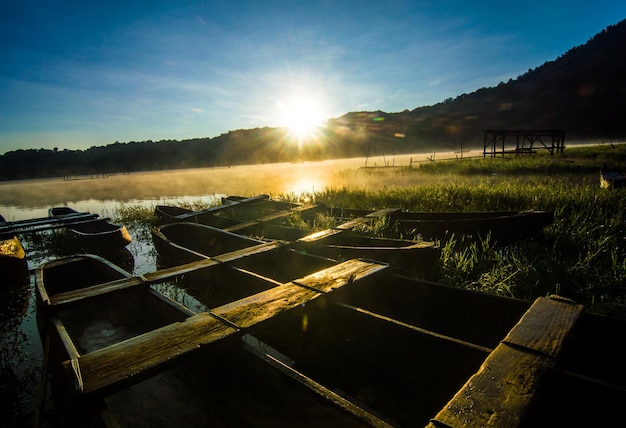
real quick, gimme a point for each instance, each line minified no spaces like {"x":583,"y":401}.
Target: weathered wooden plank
{"x":367,"y":218}
{"x":499,"y":394}
{"x":258,"y":307}
{"x":503,"y":389}
{"x":155,"y":277}
{"x":318,"y":388}
{"x":544,"y":327}
{"x":120,"y":362}
{"x":46,"y":223}
{"x":347,"y":225}
{"x":269,"y":217}
{"x":191,"y":215}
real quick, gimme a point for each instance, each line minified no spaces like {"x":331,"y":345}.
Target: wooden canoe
{"x":179,"y":243}
{"x":390,"y":350}
{"x":12,"y":253}
{"x":120,"y":344}
{"x":98,"y":234}
{"x":503,"y":227}
{"x":611,"y":178}
{"x":184,"y":242}
{"x":421,"y":354}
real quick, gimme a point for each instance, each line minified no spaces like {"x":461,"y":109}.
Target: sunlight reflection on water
{"x":32,"y":198}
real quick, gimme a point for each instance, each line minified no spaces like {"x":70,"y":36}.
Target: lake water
{"x":20,"y":344}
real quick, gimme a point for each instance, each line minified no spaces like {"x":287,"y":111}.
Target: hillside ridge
{"x":582,"y":92}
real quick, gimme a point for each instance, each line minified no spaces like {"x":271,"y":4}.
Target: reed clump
{"x":582,"y":255}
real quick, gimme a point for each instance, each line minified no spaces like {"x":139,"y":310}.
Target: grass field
{"x":581,"y":256}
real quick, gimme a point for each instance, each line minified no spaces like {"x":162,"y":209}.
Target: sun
{"x":303,"y":116}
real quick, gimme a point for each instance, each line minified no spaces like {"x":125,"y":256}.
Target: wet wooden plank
{"x":502,"y":391}
{"x":104,"y":368}
{"x":75,"y":296}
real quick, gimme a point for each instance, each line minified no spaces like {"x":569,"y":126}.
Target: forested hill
{"x":583,"y":92}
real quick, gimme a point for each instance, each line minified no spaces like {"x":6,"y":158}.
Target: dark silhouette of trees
{"x":582,"y":92}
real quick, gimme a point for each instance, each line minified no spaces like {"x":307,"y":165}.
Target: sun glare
{"x":303,"y":116}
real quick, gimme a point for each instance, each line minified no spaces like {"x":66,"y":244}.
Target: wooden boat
{"x":15,"y":287}
{"x":98,"y":335}
{"x":179,"y":243}
{"x":185,"y":242}
{"x":94,"y":234}
{"x":422,"y":354}
{"x":168,"y":214}
{"x":60,"y":211}
{"x":502,"y":227}
{"x":611,"y":178}
{"x":238,"y":255}
{"x":387,"y":349}
{"x":12,"y":254}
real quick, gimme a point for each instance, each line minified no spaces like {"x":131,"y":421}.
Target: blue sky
{"x":76,"y":74}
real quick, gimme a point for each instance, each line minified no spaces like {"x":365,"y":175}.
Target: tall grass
{"x":582,"y":255}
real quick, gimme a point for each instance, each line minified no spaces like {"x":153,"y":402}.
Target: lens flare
{"x":303,"y":116}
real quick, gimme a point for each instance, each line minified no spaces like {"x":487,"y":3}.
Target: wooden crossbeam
{"x":106,"y":368}
{"x":246,"y":201}
{"x":347,"y":225}
{"x":45,"y":223}
{"x":502,"y":391}
{"x":269,"y":217}
{"x":154,"y":277}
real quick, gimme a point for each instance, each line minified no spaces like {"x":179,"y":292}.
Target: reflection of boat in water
{"x":611,"y":178}
{"x":94,"y":234}
{"x":135,"y":357}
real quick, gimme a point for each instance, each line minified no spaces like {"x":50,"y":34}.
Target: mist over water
{"x":32,"y":198}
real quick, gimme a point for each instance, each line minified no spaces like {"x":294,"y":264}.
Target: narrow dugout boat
{"x":184,"y":242}
{"x":611,"y":178}
{"x":179,"y":243}
{"x":12,"y":254}
{"x":421,"y":354}
{"x":122,"y":346}
{"x":169,"y":214}
{"x":502,"y":227}
{"x":93,"y":234}
{"x":391,"y":350}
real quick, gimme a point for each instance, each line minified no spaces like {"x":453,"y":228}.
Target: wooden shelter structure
{"x":520,"y":141}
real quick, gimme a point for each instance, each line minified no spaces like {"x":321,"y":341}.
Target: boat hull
{"x":612,"y":179}
{"x":99,"y":235}
{"x":225,"y":384}
{"x":502,"y":227}
{"x":12,"y":255}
